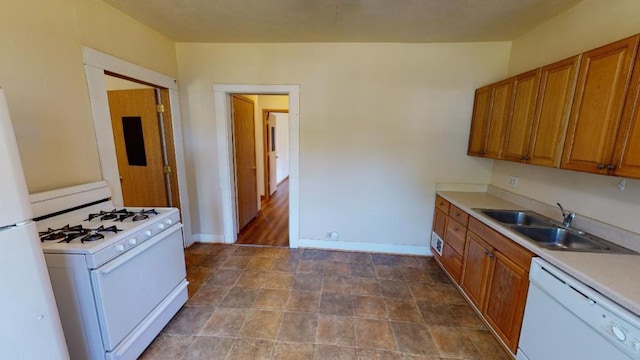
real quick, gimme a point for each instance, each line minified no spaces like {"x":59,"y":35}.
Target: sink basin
{"x":557,"y":238}
{"x":553,"y":237}
{"x":516,"y":217}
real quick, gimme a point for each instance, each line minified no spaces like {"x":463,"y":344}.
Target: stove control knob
{"x":133,"y":241}
{"x":161,"y":226}
{"x":618,"y":333}
{"x":120,"y":247}
{"x":168,"y":221}
{"x":148,"y":233}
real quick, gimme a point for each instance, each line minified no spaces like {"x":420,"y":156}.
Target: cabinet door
{"x":507,"y":286}
{"x":557,"y":87}
{"x":597,"y":106}
{"x":481,"y":106}
{"x":439,"y":223}
{"x":501,"y":105}
{"x":516,"y":147}
{"x":475,"y":268}
{"x":627,"y":155}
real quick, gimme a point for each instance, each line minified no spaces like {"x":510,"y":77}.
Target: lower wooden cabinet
{"x":491,"y":270}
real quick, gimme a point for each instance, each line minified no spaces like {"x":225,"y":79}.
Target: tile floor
{"x":277,"y":303}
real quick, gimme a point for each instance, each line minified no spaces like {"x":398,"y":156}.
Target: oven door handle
{"x":121,"y":260}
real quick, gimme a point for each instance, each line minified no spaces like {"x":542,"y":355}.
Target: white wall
{"x":590,"y":24}
{"x":380,"y":124}
{"x":282,"y":146}
{"x":42,"y":73}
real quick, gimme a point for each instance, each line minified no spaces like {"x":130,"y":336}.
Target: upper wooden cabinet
{"x":491,"y":110}
{"x":597,"y":107}
{"x":557,"y":86}
{"x":626,"y":161}
{"x":518,"y":134}
{"x":481,"y":106}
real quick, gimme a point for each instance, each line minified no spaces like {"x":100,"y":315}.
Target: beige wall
{"x":42,"y":72}
{"x":380,"y":124}
{"x":271,"y":102}
{"x":585,"y":26}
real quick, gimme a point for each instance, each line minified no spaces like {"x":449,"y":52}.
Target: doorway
{"x":222,"y":103}
{"x":262,"y":215}
{"x":142,"y":134}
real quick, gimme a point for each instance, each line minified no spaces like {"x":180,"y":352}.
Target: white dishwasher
{"x":566,"y":320}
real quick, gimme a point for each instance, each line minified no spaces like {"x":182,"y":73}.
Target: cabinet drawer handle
{"x":611,"y":167}
{"x":455,"y":228}
{"x":600,"y":166}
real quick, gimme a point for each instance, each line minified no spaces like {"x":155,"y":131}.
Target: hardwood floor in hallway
{"x":271,"y":226}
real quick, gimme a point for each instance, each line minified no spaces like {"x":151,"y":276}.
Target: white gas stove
{"x":118,"y":274}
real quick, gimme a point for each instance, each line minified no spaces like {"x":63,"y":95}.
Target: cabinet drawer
{"x":442,"y":204}
{"x":439,"y":223}
{"x":452,"y":261}
{"x":513,"y":251}
{"x":459,"y":215}
{"x":455,"y":235}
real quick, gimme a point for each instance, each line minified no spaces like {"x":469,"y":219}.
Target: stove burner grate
{"x":121,"y":215}
{"x":68,"y":233}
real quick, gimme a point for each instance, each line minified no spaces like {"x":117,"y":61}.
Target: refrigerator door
{"x":14,"y":196}
{"x":30,"y":327}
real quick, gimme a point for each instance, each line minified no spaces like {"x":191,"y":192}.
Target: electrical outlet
{"x":333,"y":235}
{"x":513,"y":181}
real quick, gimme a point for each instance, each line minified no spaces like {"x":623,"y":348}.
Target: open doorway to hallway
{"x":260,"y":135}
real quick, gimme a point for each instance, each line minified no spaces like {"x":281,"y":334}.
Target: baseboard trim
{"x":208,"y":238}
{"x":366,"y":247}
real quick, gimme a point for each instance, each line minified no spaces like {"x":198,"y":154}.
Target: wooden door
{"x":504,"y":303}
{"x":501,"y":106}
{"x":518,"y":133}
{"x":481,"y":106}
{"x":272,"y":154}
{"x":244,"y":143}
{"x":557,"y":86}
{"x":136,"y":133}
{"x":597,"y":106}
{"x":626,"y":160}
{"x":475,"y":268}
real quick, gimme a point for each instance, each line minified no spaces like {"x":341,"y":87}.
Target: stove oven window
{"x":134,"y":140}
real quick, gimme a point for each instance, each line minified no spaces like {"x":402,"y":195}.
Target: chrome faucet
{"x":567,"y":219}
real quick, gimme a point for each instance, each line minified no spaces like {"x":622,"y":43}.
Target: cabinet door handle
{"x":523,"y":157}
{"x":600,"y":166}
{"x":611,"y":167}
{"x":488,"y":253}
{"x":455,"y":229}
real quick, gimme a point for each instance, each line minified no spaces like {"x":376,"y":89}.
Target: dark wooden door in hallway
{"x":271,"y":226}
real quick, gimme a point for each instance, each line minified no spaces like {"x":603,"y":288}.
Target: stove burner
{"x":121,"y":215}
{"x":68,"y":233}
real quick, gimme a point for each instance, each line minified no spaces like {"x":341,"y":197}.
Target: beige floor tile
{"x":167,"y":347}
{"x":307,"y":301}
{"x":403,"y":310}
{"x":209,"y":348}
{"x":394,"y":288}
{"x":235,"y":262}
{"x":425,"y":291}
{"x":208,"y":295}
{"x":336,"y":330}
{"x":372,"y":354}
{"x":224,"y":277}
{"x":336,"y":304}
{"x":453,"y":342}
{"x":336,"y":284}
{"x":240,"y":297}
{"x":293,"y":351}
{"x":414,"y":339}
{"x":285,"y":265}
{"x":332,"y":352}
{"x":374,"y":334}
{"x":332,"y":268}
{"x":359,"y":258}
{"x":252,"y":279}
{"x":310,"y":266}
{"x":298,"y":327}
{"x":487,"y":345}
{"x":437,"y":313}
{"x":414,"y":275}
{"x":188,"y":321}
{"x":224,"y":322}
{"x":212,"y":261}
{"x":251,"y":349}
{"x":307,"y":282}
{"x":450,"y":294}
{"x":466,"y":317}
{"x":198,"y":275}
{"x":274,"y":299}
{"x":369,"y":307}
{"x":279,"y":280}
{"x":261,"y":324}
{"x":389,"y":272}
{"x":362,"y":270}
{"x":365,"y":286}
{"x":260,"y":263}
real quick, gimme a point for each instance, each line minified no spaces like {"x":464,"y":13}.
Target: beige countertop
{"x":613,"y":275}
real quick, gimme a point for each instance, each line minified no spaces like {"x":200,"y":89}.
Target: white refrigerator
{"x":29,"y":323}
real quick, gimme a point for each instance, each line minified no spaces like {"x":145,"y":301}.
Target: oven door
{"x":129,"y":287}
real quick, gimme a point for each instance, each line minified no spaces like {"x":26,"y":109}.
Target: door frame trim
{"x":95,"y":64}
{"x":221,"y":97}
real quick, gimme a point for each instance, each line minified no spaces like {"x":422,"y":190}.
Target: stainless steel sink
{"x":516,"y":217}
{"x":557,"y":238}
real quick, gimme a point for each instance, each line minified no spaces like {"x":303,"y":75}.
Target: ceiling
{"x":418,"y":21}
